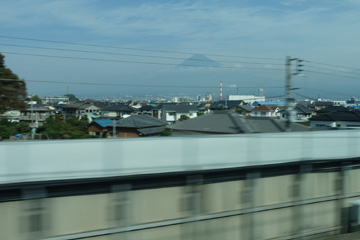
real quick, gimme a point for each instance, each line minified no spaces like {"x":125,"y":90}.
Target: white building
{"x":250,"y":99}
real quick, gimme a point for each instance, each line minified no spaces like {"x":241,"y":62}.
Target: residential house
{"x":266,"y":111}
{"x":354,"y":108}
{"x":172,"y":112}
{"x":339,"y":103}
{"x":117,"y":111}
{"x":204,"y":107}
{"x":12,"y":115}
{"x":134,"y":104}
{"x":226,"y":104}
{"x":55,"y":100}
{"x":238,"y":106}
{"x":79,"y":109}
{"x":36,"y":114}
{"x":269,"y":103}
{"x":136,"y":126}
{"x":249,"y":99}
{"x":331,"y":109}
{"x":320,"y":105}
{"x":243,"y":110}
{"x":302,"y":113}
{"x":99,"y":127}
{"x":226,"y":122}
{"x":148,"y":110}
{"x":342,"y":118}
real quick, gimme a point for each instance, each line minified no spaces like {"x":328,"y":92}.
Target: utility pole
{"x":32,"y":120}
{"x":289,"y":100}
{"x":114,"y":128}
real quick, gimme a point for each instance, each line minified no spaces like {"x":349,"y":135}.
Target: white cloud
{"x":213,"y":22}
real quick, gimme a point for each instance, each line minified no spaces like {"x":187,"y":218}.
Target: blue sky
{"x":324,"y":31}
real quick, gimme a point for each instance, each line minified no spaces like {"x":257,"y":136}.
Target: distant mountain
{"x":198,"y":60}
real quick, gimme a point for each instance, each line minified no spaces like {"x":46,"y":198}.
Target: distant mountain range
{"x":198,"y":60}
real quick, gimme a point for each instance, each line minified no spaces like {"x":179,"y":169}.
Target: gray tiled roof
{"x":227,"y":104}
{"x":350,"y":116}
{"x":302,"y":109}
{"x":139,"y":121}
{"x":149,"y":131}
{"x":118,"y":107}
{"x":219,"y":122}
{"x":146,"y":108}
{"x":246,"y":107}
{"x":230,"y":123}
{"x":333,"y":109}
{"x":78,"y":106}
{"x":267,"y":125}
{"x":181,"y":108}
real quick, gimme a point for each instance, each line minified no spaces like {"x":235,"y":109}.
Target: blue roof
{"x":354,"y":107}
{"x":103,"y":122}
{"x":269,"y":103}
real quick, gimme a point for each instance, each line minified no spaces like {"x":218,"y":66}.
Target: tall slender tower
{"x":220,"y":90}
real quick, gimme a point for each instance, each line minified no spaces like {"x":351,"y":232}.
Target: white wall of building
{"x":339,"y":124}
{"x":247,"y":98}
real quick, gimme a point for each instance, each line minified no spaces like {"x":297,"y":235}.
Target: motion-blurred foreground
{"x":259,"y":186}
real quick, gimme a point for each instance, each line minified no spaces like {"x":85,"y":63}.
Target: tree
{"x":37,"y":99}
{"x":165,"y":133}
{"x":71,"y":128}
{"x":72,"y":97}
{"x":183,"y":118}
{"x":8,"y":129}
{"x":12,"y":89}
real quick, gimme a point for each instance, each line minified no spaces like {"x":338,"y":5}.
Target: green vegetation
{"x":183,"y":118}
{"x":72,"y":97}
{"x":71,"y":128}
{"x":307,"y":123}
{"x":8,"y":129}
{"x":12,"y":89}
{"x":37,"y":99}
{"x":165,"y":133}
{"x":200,"y":113}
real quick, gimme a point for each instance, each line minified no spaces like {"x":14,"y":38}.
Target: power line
{"x":331,"y":65}
{"x":327,"y":92}
{"x":129,"y":48}
{"x":304,"y":96}
{"x":164,"y":51}
{"x":330,"y":74}
{"x":127,"y":85}
{"x":137,"y":62}
{"x":131,"y":55}
{"x":334,"y":70}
